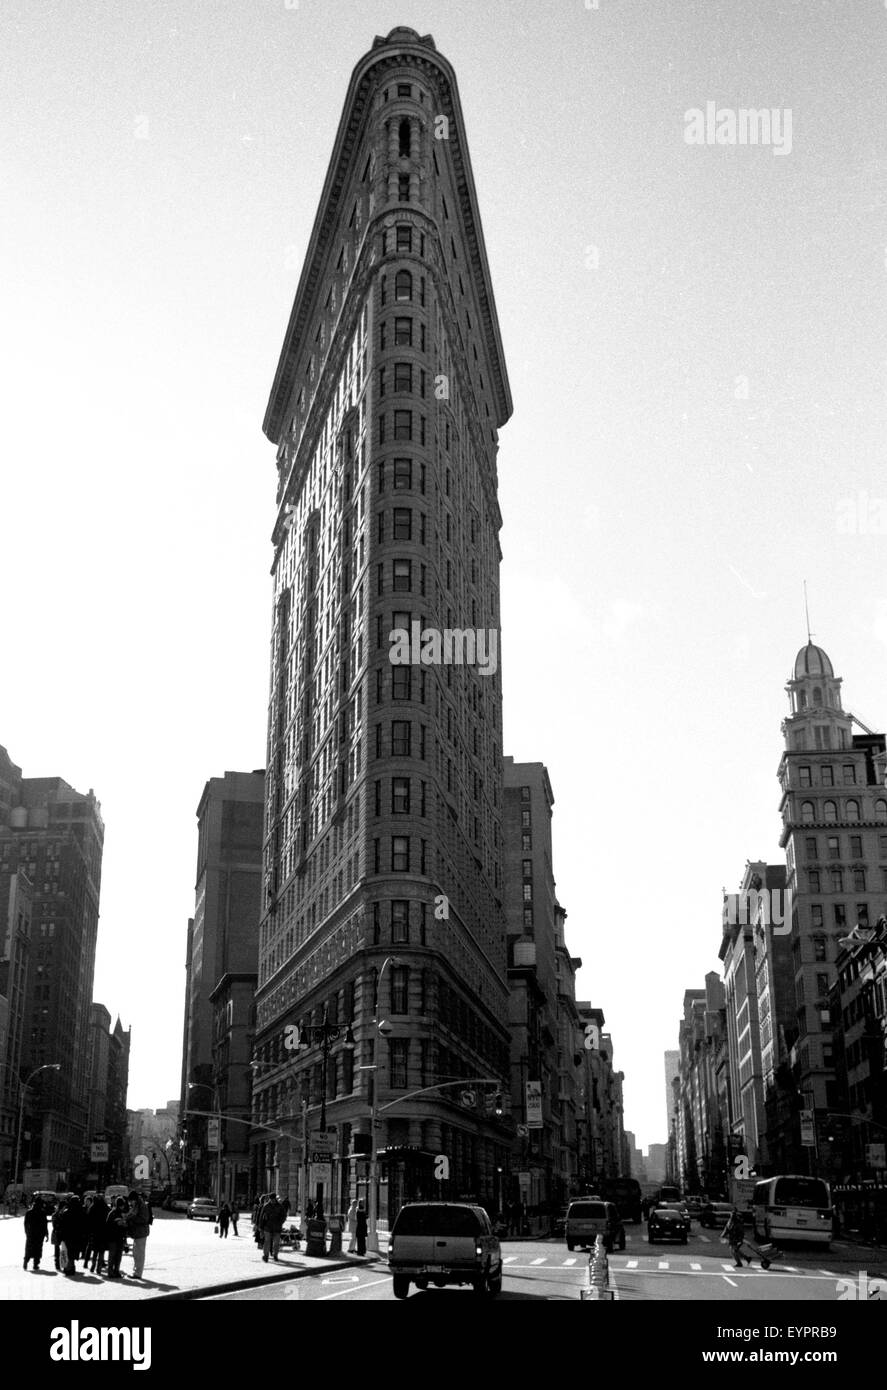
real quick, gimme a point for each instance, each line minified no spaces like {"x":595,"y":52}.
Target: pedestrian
{"x":138,"y":1224}
{"x":36,"y":1230}
{"x":309,"y":1210}
{"x":733,"y":1235}
{"x":360,"y":1229}
{"x":271,"y":1224}
{"x":115,"y":1237}
{"x":257,"y":1219}
{"x":351,"y":1221}
{"x":224,"y":1220}
{"x":97,"y":1219}
{"x":72,"y":1235}
{"x":234,"y":1216}
{"x":56,"y":1238}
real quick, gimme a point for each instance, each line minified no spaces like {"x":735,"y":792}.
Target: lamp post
{"x":373,"y":1204}
{"x":217,"y":1116}
{"x":48,"y":1066}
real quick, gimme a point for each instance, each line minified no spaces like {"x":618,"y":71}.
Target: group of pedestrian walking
{"x":269,"y":1218}
{"x":94,"y":1232}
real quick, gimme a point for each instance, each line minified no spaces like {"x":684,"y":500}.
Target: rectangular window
{"x":526,"y":842}
{"x":400,"y":738}
{"x":840,"y":912}
{"x":400,"y":796}
{"x":862,"y":914}
{"x":849,"y":775}
{"x":528,"y":918}
{"x":403,"y":376}
{"x":816,"y":915}
{"x":403,"y":473}
{"x":403,"y":524}
{"x":834,"y":847}
{"x":811,"y":846}
{"x":855,"y":846}
{"x":403,"y":188}
{"x":528,"y":892}
{"x":400,"y":976}
{"x":397,"y":1051}
{"x":401,"y":682}
{"x":402,"y":572}
{"x":820,"y":948}
{"x":403,"y":332}
{"x":404,"y":238}
{"x":813,"y":876}
{"x":528,"y":868}
{"x":828,"y":776}
{"x":804,"y":776}
{"x":400,"y":922}
{"x":403,"y":424}
{"x":400,"y":854}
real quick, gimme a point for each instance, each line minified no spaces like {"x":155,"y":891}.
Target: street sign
{"x":523,"y":1131}
{"x":808,"y":1130}
{"x":876,"y":1155}
{"x":212,"y":1134}
{"x":195,"y":1152}
{"x":534,"y":1104}
{"x":321,"y":1141}
{"x":523,"y":1182}
{"x":468,"y":1099}
{"x":98,"y":1153}
{"x":320,"y":1173}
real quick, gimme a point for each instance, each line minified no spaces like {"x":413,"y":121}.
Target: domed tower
{"x":834,"y":815}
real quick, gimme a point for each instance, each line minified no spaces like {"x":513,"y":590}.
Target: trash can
{"x":337,"y":1223}
{"x":315,"y":1243}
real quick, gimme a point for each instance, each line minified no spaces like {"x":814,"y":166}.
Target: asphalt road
{"x":700,"y":1270}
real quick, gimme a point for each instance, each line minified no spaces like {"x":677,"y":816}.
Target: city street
{"x":701,"y":1270}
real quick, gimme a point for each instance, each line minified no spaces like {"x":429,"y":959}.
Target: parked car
{"x":694,"y":1206}
{"x":444,"y":1243}
{"x":716,"y":1214}
{"x":587,"y":1219}
{"x":668,"y":1223}
{"x":203,"y":1209}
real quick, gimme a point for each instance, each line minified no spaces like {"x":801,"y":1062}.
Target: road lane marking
{"x":359,"y":1289}
{"x":728,"y":1280}
{"x":829,"y":1273}
{"x":706,"y":1239}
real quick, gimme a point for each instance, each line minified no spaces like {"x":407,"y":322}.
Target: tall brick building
{"x":54,"y":836}
{"x":384,"y":783}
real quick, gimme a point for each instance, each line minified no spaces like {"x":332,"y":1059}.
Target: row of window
{"x":401,"y":800}
{"x":403,"y":334}
{"x":833,"y":847}
{"x":406,"y":425}
{"x":829,"y":814}
{"x":827,"y":775}
{"x":402,"y":378}
{"x":834,"y":879}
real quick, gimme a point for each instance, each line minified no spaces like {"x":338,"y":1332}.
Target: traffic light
{"x":497,"y":1104}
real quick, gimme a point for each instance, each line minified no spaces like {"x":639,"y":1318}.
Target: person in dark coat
{"x":36,"y":1230}
{"x":55,"y":1237}
{"x":224,"y":1220}
{"x":115,"y":1237}
{"x":72,"y":1235}
{"x":271,"y":1224}
{"x":97,"y":1220}
{"x":234,"y":1216}
{"x":361,"y":1229}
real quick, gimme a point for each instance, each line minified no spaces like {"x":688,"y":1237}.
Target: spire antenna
{"x":807,"y":613}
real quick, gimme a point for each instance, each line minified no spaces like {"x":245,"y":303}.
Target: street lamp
{"x":48,"y":1066}
{"x":372,"y":1214}
{"x":205,"y":1085}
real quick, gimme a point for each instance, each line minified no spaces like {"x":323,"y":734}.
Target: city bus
{"x":626,"y":1196}
{"x":789,"y":1207}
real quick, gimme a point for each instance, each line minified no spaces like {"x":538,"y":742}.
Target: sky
{"x":695,"y":336}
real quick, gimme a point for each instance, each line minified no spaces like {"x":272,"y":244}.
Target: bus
{"x":789,"y":1207}
{"x":626,"y":1196}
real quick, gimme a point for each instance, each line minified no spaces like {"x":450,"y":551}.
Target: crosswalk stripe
{"x":509,"y":1259}
{"x":569,"y":1262}
{"x":726,"y":1266}
{"x":791,"y":1269}
{"x":631,"y":1264}
{"x":706,"y":1239}
{"x":695,"y":1266}
{"x":830,"y":1274}
{"x":539,"y":1261}
{"x":663,"y":1264}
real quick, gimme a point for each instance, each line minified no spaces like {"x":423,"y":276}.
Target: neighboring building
{"x":154,"y":1135}
{"x":672,"y":1069}
{"x":657,"y":1163}
{"x":859,"y":1013}
{"x":383,"y":830}
{"x":702,"y":1108}
{"x":16,"y":891}
{"x":55,"y":836}
{"x":119,"y":1158}
{"x":99,"y":1057}
{"x":571,"y":1066}
{"x":221,"y":980}
{"x":834,"y":812}
{"x":604,"y":1153}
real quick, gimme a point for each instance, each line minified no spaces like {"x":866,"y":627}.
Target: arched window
{"x":403,"y":286}
{"x":831,"y":813}
{"x":817,"y":697}
{"x":881,"y":812}
{"x":808,"y":814}
{"x":853,"y":810}
{"x":403,"y":136}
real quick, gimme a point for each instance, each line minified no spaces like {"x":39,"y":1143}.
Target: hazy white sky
{"x":696,"y":343}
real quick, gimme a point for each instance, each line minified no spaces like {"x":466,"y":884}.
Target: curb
{"x":233,"y":1285}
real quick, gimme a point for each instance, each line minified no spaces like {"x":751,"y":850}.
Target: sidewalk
{"x":181,"y":1262}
